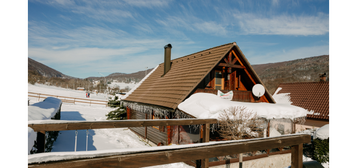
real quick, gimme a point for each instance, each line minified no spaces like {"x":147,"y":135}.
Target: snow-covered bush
{"x":114,"y":103}
{"x":118,"y":114}
{"x":239,"y":123}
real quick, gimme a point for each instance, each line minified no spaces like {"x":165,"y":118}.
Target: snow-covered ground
{"x":98,"y":139}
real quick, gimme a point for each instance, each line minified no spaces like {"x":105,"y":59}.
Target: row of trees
{"x":74,"y":83}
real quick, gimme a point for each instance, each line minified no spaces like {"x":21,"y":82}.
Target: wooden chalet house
{"x":222,"y":68}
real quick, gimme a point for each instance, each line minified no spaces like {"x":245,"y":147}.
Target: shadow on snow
{"x":66,"y":139}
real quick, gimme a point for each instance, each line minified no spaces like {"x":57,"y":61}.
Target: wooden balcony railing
{"x":242,"y":96}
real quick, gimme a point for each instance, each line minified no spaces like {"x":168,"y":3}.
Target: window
{"x":218,"y":84}
{"x":160,"y":128}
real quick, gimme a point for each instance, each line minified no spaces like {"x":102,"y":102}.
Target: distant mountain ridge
{"x":123,"y":77}
{"x":43,"y":70}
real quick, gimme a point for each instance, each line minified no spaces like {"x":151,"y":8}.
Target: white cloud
{"x":194,"y":24}
{"x":210,"y":28}
{"x":275,"y":2}
{"x":283,"y":24}
{"x":84,"y":62}
{"x":80,"y":55}
{"x":146,"y":3}
{"x":110,"y":15}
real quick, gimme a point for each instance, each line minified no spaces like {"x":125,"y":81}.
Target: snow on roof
{"x":281,"y":98}
{"x":322,"y":133}
{"x":207,"y":105}
{"x":137,"y":85}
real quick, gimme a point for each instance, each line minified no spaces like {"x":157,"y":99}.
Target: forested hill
{"x":300,"y":70}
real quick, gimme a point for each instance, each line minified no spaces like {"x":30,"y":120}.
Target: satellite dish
{"x":258,"y":90}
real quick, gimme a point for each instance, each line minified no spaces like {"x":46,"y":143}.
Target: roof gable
{"x":253,"y":76}
{"x":185,"y":74}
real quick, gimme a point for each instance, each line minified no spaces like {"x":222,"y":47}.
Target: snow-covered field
{"x":53,"y":90}
{"x":98,"y":139}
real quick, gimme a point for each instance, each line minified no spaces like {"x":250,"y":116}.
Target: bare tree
{"x":239,"y":123}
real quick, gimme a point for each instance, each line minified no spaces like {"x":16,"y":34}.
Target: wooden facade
{"x":157,"y":134}
{"x":223,"y":68}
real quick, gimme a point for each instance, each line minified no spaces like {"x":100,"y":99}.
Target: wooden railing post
{"x":204,"y":162}
{"x":296,"y":156}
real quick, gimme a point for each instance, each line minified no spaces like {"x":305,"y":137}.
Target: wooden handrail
{"x":60,"y":125}
{"x":166,"y":155}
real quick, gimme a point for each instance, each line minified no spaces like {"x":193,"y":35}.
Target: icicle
{"x":213,"y":128}
{"x":196,"y":127}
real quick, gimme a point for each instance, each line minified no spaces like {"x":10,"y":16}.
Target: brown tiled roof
{"x":309,"y":95}
{"x":182,"y":78}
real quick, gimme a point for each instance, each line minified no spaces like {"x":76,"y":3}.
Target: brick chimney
{"x":323,"y":77}
{"x":167,"y":59}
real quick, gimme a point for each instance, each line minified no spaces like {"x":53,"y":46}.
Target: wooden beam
{"x":235,"y":55}
{"x":60,"y":125}
{"x":229,"y":65}
{"x":245,"y":69}
{"x":151,"y":157}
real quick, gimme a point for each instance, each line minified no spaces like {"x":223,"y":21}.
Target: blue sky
{"x":82,"y":38}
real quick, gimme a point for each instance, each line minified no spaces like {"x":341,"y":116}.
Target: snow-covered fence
{"x":171,"y":154}
{"x":143,"y":157}
{"x":46,"y":125}
{"x":67,"y":99}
